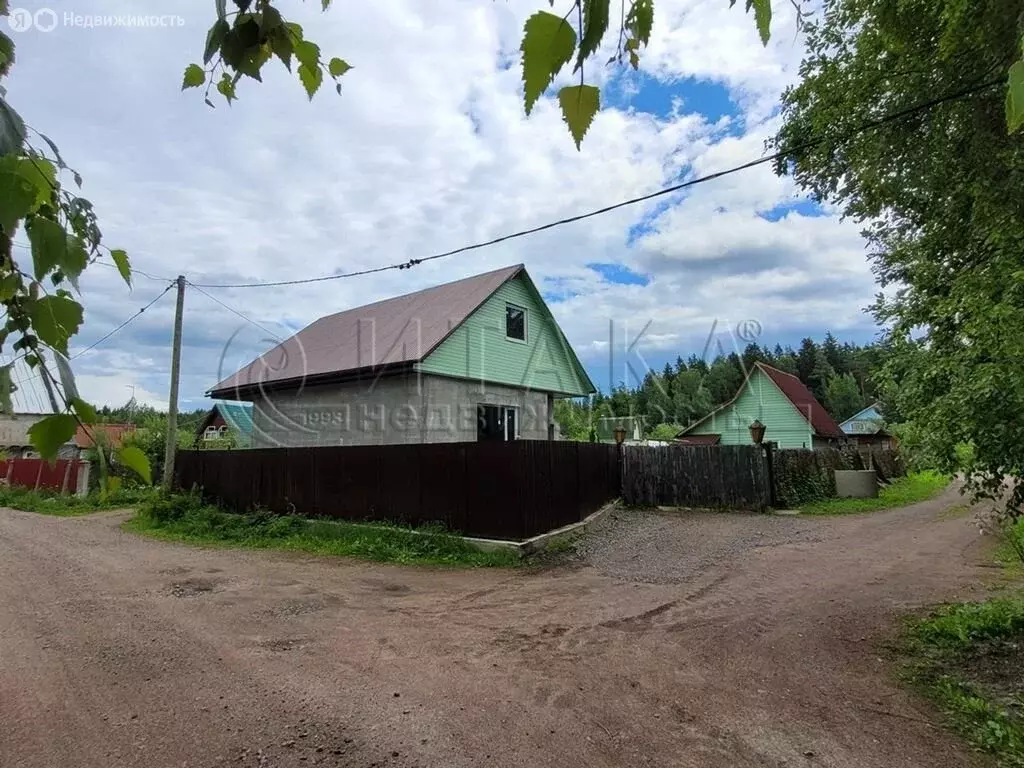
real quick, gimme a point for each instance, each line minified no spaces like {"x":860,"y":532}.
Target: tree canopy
{"x":941,"y":197}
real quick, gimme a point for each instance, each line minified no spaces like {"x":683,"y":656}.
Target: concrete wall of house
{"x":409,"y":408}
{"x":478,"y":349}
{"x":15,"y":442}
{"x":761,"y":400}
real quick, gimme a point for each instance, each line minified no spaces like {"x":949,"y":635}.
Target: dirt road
{"x":121,"y":651}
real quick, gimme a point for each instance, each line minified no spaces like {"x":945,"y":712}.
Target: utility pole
{"x":48,"y":384}
{"x":172,"y":405}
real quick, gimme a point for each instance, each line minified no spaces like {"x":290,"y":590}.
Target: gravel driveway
{"x":710,"y":641}
{"x":677,"y":547}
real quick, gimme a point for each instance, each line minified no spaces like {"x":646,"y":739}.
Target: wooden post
{"x":67,"y":475}
{"x":172,"y":405}
{"x":771,"y":475}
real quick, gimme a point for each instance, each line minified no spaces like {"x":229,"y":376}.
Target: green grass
{"x":185,"y":518}
{"x":915,"y":487}
{"x":50,"y":503}
{"x":966,"y":658}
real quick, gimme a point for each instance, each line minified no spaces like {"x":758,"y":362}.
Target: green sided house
{"x":793,"y":418}
{"x":476,"y":359}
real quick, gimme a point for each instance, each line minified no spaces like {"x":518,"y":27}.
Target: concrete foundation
{"x":856,"y":483}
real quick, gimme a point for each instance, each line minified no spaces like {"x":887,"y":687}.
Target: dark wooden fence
{"x":491,"y":489}
{"x":714,"y":477}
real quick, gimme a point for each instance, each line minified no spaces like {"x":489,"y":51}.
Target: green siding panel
{"x":761,"y":400}
{"x":478,"y":349}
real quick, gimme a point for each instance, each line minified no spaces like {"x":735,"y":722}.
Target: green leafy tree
{"x":834,"y":353}
{"x":665,"y":432}
{"x":821,"y":374}
{"x":573,"y":419}
{"x":843,"y":397}
{"x":941,"y":197}
{"x":724,"y":378}
{"x":806,"y":359}
{"x":692,"y":400}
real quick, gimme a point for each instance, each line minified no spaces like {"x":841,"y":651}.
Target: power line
{"x":126,"y":322}
{"x":235,"y":311}
{"x":869,"y":125}
{"x":135,"y":270}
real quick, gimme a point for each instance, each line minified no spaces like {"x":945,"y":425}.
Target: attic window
{"x":515,"y":322}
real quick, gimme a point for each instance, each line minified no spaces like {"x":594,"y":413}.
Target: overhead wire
{"x":122,"y":325}
{"x":782,"y":154}
{"x":235,"y":311}
{"x":114,"y":331}
{"x":789,"y":152}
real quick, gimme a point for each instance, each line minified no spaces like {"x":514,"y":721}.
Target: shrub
{"x":184,"y":516}
{"x":958,"y":627}
{"x":802,"y":475}
{"x":164,"y":507}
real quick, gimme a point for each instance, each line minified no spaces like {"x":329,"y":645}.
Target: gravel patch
{"x":676,"y":547}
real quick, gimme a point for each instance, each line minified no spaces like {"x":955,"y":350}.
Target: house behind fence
{"x":506,"y":490}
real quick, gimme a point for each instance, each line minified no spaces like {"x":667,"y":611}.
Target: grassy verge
{"x":49,"y":503}
{"x":185,"y":518}
{"x":969,"y":659}
{"x":915,"y":487}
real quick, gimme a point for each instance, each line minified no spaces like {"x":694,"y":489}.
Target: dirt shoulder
{"x":118,"y":650}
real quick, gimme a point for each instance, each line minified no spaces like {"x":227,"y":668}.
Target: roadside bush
{"x":53,"y":503}
{"x":164,"y":507}
{"x":185,"y":517}
{"x":803,"y":476}
{"x":958,"y":627}
{"x":966,"y":657}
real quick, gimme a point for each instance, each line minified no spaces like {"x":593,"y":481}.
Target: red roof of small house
{"x":700,"y":439}
{"x":115,"y":434}
{"x":823,"y":423}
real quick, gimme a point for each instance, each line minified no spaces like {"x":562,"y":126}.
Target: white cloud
{"x":426,"y":150}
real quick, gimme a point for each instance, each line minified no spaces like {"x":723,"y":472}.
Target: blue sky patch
{"x":617,"y":273}
{"x":647,"y":94}
{"x":801,"y":207}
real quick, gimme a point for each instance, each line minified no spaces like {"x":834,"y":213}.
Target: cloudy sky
{"x":426,"y":150}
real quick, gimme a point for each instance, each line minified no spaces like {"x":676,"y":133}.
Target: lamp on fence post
{"x":757,"y":430}
{"x":620,"y":435}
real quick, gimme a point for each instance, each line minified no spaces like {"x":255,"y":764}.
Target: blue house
{"x":867,"y":428}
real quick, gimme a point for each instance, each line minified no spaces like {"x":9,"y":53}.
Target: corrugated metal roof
{"x":115,"y":434}
{"x":822,"y":422}
{"x":237,"y":415}
{"x":395,"y":331}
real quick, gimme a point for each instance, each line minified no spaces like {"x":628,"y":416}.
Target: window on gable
{"x":515,"y":322}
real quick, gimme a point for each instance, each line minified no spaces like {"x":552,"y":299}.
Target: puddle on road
{"x":192,"y":587}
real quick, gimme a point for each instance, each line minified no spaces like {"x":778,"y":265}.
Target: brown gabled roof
{"x":805,"y":402}
{"x":393,"y":332}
